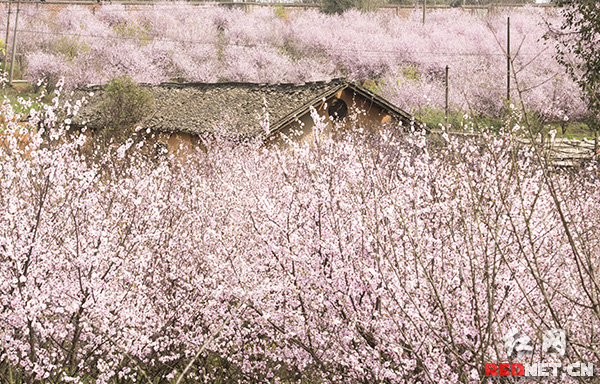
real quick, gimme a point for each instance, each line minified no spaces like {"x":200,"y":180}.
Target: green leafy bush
{"x":124,"y":104}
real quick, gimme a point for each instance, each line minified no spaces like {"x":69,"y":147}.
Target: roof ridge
{"x":230,"y":83}
{"x":246,"y":83}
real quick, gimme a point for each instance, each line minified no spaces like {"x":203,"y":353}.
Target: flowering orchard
{"x":208,"y":43}
{"x":380,"y":257}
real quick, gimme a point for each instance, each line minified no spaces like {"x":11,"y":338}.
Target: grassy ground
{"x":460,"y":121}
{"x":24,"y":91}
{"x":574,"y":130}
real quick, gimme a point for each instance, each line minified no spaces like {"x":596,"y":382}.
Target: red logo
{"x":504,"y":369}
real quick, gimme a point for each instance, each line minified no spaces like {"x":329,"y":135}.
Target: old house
{"x":182,"y":112}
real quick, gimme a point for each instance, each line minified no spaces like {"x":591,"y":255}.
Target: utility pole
{"x":14,"y":45}
{"x":508,"y":59}
{"x":447,"y":91}
{"x":6,"y":38}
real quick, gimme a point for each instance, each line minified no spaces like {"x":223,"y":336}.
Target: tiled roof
{"x":199,"y":108}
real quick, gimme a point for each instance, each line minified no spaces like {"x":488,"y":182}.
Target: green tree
{"x":340,"y":6}
{"x":579,"y":51}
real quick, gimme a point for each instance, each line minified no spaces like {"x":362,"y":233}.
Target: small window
{"x":338,"y":109}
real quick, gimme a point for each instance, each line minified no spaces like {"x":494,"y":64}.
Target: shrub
{"x":124,"y":104}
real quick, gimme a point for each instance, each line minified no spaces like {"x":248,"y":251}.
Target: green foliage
{"x":124,"y":103}
{"x":578,"y":47}
{"x":435,"y":118}
{"x":25,"y":97}
{"x":570,"y":130}
{"x":458,"y":121}
{"x":337,"y":6}
{"x":410,"y":73}
{"x":70,"y":47}
{"x":280,"y":12}
{"x":340,"y":6}
{"x":133,"y":30}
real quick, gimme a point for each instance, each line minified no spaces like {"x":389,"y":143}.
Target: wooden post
{"x":424,"y":10}
{"x":596,"y":148}
{"x":7,"y":36}
{"x":447,"y":89}
{"x":14,"y":45}
{"x":508,"y":59}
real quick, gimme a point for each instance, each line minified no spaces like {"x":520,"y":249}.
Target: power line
{"x":205,"y":43}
